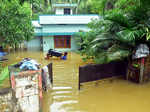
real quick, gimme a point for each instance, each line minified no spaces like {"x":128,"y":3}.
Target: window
{"x":67,"y":11}
{"x":62,"y":41}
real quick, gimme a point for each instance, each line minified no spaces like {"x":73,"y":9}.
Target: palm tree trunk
{"x":50,"y":2}
{"x":78,"y":3}
{"x":46,"y":2}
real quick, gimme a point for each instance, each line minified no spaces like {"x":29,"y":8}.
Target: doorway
{"x":62,"y":41}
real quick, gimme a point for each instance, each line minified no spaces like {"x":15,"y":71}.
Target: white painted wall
{"x":59,"y":11}
{"x":66,"y":19}
{"x":71,"y":11}
{"x":74,"y":44}
{"x":48,"y":43}
{"x":34,"y":44}
{"x":64,"y":28}
{"x":37,"y":30}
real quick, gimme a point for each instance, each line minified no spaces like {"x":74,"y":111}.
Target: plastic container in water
{"x":3,"y":53}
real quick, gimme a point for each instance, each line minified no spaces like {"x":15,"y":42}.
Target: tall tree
{"x":15,"y":23}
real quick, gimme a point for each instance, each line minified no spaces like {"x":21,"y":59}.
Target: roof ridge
{"x":69,"y":15}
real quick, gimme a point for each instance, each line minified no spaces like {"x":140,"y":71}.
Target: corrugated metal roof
{"x":66,"y":19}
{"x":36,"y":24}
{"x":64,"y":5}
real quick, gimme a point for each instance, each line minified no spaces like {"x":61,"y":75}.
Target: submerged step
{"x":61,"y":97}
{"x":60,"y":88}
{"x":60,"y":92}
{"x":64,"y":103}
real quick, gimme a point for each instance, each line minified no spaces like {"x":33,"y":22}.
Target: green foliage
{"x":1,"y":67}
{"x":4,"y":73}
{"x":15,"y":23}
{"x":119,"y":31}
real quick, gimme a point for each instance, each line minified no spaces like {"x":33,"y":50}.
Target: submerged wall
{"x":48,"y":43}
{"x":93,"y":72}
{"x":34,"y":44}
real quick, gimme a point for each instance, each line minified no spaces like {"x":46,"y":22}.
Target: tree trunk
{"x":109,"y":6}
{"x":15,"y":47}
{"x":31,"y":5}
{"x":50,"y":2}
{"x":46,"y":2}
{"x":78,"y":3}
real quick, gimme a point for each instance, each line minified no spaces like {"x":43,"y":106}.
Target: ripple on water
{"x":118,"y":96}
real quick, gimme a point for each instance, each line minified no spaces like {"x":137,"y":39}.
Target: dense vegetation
{"x":15,"y":23}
{"x":16,"y":16}
{"x":124,"y":24}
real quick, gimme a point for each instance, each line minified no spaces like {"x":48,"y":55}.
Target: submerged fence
{"x":93,"y":72}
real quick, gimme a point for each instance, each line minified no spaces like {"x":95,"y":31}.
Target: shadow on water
{"x":115,"y":95}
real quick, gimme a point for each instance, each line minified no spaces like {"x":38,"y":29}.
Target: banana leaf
{"x":4,"y":74}
{"x":129,"y":36}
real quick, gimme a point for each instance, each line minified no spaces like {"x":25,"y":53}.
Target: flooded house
{"x":57,"y":31}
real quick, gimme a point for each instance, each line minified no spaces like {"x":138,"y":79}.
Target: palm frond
{"x":117,"y":52}
{"x":103,"y":37}
{"x":129,"y":36}
{"x":118,"y":17}
{"x":104,"y":45}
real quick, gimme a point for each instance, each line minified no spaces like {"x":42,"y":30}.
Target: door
{"x":62,"y":41}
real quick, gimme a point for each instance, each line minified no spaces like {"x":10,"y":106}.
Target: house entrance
{"x":62,"y":41}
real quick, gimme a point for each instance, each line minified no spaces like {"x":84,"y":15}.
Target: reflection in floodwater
{"x":115,"y":95}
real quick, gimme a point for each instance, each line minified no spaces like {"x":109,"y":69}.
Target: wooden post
{"x":141,"y":71}
{"x":128,"y":72}
{"x":79,"y":79}
{"x":50,"y":70}
{"x":40,"y":92}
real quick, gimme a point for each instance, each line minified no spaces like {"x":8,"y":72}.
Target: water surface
{"x":112,"y":95}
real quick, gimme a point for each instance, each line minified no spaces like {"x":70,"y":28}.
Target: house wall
{"x":67,"y":19}
{"x":48,"y":43}
{"x":74,"y":44}
{"x":34,"y":44}
{"x":64,"y":28}
{"x":59,"y":11}
{"x":37,"y":30}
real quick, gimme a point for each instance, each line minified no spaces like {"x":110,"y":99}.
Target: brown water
{"x":115,"y":95}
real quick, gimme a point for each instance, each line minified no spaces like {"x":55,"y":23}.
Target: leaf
{"x":129,"y":36}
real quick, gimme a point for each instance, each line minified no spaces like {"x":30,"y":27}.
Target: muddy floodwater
{"x":111,"y":95}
